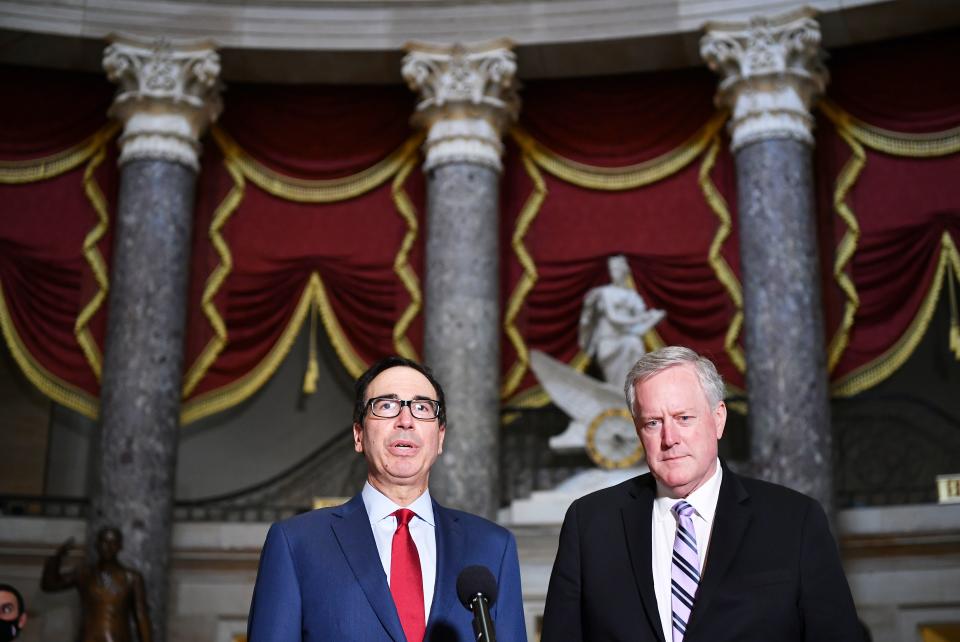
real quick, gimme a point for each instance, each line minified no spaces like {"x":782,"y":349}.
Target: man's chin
{"x":671,"y":477}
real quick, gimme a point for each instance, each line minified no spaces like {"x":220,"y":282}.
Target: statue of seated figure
{"x":613,"y":321}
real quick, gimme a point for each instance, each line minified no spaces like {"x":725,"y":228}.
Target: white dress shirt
{"x":422,"y":530}
{"x":664,"y":525}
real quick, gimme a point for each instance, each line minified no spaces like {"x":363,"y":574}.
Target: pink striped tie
{"x":685,"y":570}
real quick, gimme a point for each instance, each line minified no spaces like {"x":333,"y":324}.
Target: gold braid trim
{"x":216,"y":279}
{"x":537,"y":397}
{"x":890,"y":142}
{"x":240,"y":389}
{"x":720,"y":266}
{"x":50,"y":385}
{"x":954,"y":266}
{"x":529,"y":212}
{"x":653,"y":340}
{"x":597,"y":178}
{"x":314,"y":294}
{"x":870,"y":374}
{"x":19,"y":172}
{"x":95,"y":259}
{"x":316,"y":191}
{"x":39,"y":169}
{"x":312,"y":374}
{"x":241,"y":166}
{"x":858,"y":134}
{"x":620,"y":178}
{"x":848,"y":246}
{"x":401,"y":267}
{"x":350,"y":359}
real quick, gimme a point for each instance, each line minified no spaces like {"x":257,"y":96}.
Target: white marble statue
{"x":613,"y":322}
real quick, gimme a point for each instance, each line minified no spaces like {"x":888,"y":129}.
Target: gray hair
{"x":659,"y":360}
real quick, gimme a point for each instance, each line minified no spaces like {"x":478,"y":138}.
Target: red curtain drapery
{"x":310,"y":202}
{"x":57,"y":182}
{"x":632,"y":178}
{"x":888,"y":149}
{"x":307,"y":206}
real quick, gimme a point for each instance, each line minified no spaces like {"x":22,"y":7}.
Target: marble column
{"x":468,"y":98}
{"x":770,"y":73}
{"x":166,"y":97}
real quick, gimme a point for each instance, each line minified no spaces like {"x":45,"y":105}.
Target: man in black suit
{"x":691,"y":552}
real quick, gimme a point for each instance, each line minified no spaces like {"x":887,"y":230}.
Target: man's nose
{"x":405,"y":419}
{"x":668,"y":433}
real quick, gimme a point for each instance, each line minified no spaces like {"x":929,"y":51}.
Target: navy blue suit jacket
{"x":321,"y":578}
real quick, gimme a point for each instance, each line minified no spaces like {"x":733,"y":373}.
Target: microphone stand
{"x":482,"y":624}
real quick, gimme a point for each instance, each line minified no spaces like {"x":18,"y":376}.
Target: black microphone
{"x":477,"y":590}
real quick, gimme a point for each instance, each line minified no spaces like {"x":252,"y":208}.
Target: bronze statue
{"x":110,"y":593}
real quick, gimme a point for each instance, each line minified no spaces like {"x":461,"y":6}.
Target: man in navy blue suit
{"x":384,"y":565}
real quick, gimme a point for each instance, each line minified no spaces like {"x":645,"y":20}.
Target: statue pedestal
{"x":549,"y":506}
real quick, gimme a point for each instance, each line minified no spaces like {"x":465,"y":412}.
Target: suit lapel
{"x":637,"y":515}
{"x":730,"y":521}
{"x":355,"y":537}
{"x":451,"y":542}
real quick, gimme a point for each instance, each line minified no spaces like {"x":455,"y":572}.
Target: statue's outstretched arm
{"x":53,"y":579}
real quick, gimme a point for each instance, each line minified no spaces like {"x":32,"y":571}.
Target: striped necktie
{"x":685,"y":570}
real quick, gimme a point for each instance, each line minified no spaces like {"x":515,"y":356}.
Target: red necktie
{"x":406,"y":578}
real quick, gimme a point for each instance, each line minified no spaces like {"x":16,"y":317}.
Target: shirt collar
{"x":703,"y":499}
{"x":379,"y":506}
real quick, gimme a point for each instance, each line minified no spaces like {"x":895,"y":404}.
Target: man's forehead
{"x":6,"y":597}
{"x":401,"y":381}
{"x":679,"y":385}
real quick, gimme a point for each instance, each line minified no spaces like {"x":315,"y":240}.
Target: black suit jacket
{"x":772,"y":572}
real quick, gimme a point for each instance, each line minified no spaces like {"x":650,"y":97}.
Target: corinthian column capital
{"x":167,"y":96}
{"x":468,"y":98}
{"x":771,"y":71}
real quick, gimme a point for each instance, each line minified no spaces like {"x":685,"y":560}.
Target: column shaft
{"x":462,"y":331}
{"x":166,"y":99}
{"x":771,"y":73}
{"x":786,"y":376}
{"x":140,"y":397}
{"x":468,"y":98}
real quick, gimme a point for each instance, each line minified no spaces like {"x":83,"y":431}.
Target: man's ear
{"x":443,"y":433}
{"x":22,"y":620}
{"x":357,"y":437}
{"x":720,"y":418}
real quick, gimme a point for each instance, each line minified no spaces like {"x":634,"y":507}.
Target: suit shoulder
{"x":769,"y":493}
{"x":478,"y":524}
{"x":614,"y":495}
{"x":308,"y":521}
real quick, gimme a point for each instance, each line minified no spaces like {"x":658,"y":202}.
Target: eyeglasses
{"x":388,"y":408}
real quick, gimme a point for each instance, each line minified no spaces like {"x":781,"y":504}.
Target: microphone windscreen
{"x":473,"y":580}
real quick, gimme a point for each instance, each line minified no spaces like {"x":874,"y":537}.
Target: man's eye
{"x":420,"y":406}
{"x":386,"y":404}
{"x":652,"y":424}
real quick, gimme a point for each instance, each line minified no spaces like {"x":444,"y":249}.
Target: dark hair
{"x":363,"y":381}
{"x":9,"y":589}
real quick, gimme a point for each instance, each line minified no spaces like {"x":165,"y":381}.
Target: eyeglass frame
{"x":404,"y":403}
